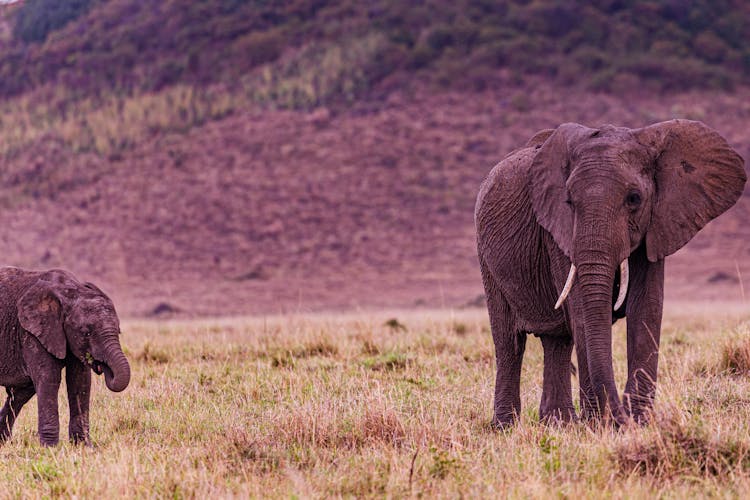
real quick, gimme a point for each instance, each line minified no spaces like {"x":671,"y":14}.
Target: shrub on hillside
{"x":37,"y":18}
{"x":322,"y":73}
{"x":710,"y":47}
{"x":459,"y":35}
{"x":306,"y":54}
{"x":259,"y":47}
{"x":677,"y":73}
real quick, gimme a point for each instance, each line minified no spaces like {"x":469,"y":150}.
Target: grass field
{"x":386,"y":404}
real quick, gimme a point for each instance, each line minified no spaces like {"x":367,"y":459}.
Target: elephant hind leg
{"x":510,"y":344}
{"x":557,"y":396}
{"x":17,"y":397}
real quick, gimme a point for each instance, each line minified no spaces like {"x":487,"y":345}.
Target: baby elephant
{"x":50,"y":320}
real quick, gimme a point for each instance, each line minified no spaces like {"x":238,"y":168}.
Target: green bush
{"x":259,"y":47}
{"x":678,"y":73}
{"x":461,"y":35}
{"x":422,"y":55}
{"x":590,"y":58}
{"x":440,"y":37}
{"x":710,"y":47}
{"x":37,"y":18}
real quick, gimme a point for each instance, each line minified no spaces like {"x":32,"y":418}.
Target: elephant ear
{"x":40,"y":313}
{"x":698,"y":177}
{"x":539,"y":138}
{"x":550,"y":169}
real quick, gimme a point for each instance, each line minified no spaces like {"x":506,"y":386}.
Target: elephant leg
{"x":45,"y":371}
{"x":560,"y":265}
{"x":47,"y":374}
{"x":49,"y":417}
{"x":78,"y":382}
{"x":17,"y":397}
{"x":557,"y":398}
{"x":644,"y":314}
{"x":510,"y":345}
{"x":509,"y":350}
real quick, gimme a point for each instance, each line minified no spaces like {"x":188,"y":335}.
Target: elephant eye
{"x":633,"y":199}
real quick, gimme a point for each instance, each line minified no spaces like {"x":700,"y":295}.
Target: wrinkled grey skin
{"x":50,"y":320}
{"x":593,"y":197}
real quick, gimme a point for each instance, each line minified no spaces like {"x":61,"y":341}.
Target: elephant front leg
{"x":17,"y":397}
{"x":78,"y":382}
{"x":644,"y":314}
{"x":509,"y":348}
{"x":557,"y":398}
{"x":47,"y":385}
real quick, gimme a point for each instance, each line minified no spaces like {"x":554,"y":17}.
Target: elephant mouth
{"x":98,"y":367}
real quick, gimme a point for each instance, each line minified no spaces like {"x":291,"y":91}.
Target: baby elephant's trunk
{"x":116,"y":369}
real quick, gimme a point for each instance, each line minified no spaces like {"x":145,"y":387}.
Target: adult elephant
{"x":572,"y":232}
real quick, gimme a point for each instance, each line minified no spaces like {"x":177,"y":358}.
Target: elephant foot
{"x":642,"y":416}
{"x":595,"y":419}
{"x":48,"y":441}
{"x":503,"y":423}
{"x":640,"y":409}
{"x":609,"y":420}
{"x":590,"y":413}
{"x":620,"y":422}
{"x":619,"y":417}
{"x":80,"y":439}
{"x":558,"y":416}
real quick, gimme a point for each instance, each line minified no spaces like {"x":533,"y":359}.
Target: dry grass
{"x":113,"y":123}
{"x":110,"y":124}
{"x":735,"y":356}
{"x":321,"y":406}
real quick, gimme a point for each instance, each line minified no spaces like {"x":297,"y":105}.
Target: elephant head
{"x":66,"y":315}
{"x":602,"y":193}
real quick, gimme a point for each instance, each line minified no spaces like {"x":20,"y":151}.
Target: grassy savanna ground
{"x":357,"y":405}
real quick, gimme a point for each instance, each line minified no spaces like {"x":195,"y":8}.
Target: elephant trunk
{"x":595,"y":280}
{"x":116,"y":369}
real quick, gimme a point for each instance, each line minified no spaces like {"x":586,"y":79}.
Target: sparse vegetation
{"x":219,"y":419}
{"x":37,"y":18}
{"x":677,"y":445}
{"x":109,"y":125}
{"x":735,"y":356}
{"x":669,"y":44}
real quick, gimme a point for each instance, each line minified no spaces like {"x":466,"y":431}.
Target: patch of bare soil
{"x":277,"y":211}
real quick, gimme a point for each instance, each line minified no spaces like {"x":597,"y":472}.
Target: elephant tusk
{"x":624,"y":278}
{"x":567,"y":287}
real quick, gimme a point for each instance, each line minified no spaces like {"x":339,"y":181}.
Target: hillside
{"x":278,"y":210}
{"x":320,"y":174}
